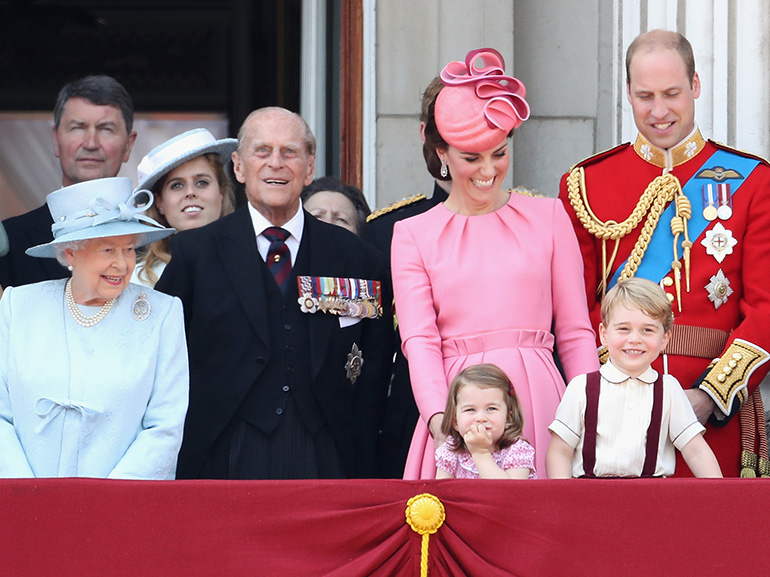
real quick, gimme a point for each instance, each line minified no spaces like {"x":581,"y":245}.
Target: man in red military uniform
{"x":694,"y":216}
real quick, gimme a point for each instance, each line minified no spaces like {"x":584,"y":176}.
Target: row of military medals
{"x":719,"y":241}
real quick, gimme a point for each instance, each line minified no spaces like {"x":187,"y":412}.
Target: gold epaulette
{"x":738,"y":151}
{"x":600,"y":155}
{"x":406,"y":201}
{"x":526,"y":192}
{"x":728,"y":378}
{"x":604,"y":354}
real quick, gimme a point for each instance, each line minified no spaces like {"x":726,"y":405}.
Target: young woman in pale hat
{"x":187,"y":176}
{"x":486,"y":275}
{"x":93,"y":369}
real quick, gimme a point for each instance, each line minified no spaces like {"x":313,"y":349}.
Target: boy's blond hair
{"x":642,"y":294}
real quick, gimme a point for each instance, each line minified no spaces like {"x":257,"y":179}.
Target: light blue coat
{"x":102,"y":401}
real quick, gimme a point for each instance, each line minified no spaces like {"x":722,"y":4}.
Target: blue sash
{"x":656,"y":262}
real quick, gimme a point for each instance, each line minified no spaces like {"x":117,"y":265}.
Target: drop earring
{"x":69,"y":268}
{"x":444,"y":170}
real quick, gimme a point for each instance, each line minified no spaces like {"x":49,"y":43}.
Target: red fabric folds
{"x":83,"y":527}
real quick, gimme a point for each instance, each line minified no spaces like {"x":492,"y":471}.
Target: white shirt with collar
{"x":294,"y":226}
{"x":624,"y":413}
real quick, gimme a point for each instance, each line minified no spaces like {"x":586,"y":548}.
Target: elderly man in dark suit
{"x":288,"y":374}
{"x":92,"y":137}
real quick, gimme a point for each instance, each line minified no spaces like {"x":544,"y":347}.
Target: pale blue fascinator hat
{"x":178,"y":150}
{"x":99,"y":209}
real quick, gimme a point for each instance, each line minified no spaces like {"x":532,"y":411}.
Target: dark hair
{"x":484,"y":376}
{"x":655,"y":39}
{"x":100,"y":90}
{"x":352,"y":193}
{"x":433,"y":139}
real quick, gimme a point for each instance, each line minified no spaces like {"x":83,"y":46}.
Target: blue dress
{"x":102,"y":401}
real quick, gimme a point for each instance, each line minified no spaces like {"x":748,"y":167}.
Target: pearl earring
{"x":69,"y":268}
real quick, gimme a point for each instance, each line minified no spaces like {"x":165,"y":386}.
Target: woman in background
{"x":329,"y":200}
{"x":187,"y":177}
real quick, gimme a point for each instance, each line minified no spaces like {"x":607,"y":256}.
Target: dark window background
{"x":228,"y":56}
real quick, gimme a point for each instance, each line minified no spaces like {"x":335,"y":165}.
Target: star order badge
{"x":354,"y":364}
{"x":719,"y":242}
{"x":719,"y":289}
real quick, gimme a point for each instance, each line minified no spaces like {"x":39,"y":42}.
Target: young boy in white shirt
{"x":626,"y":420}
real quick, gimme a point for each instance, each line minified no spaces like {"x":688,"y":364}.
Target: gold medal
{"x":709,"y":202}
{"x":710,"y":212}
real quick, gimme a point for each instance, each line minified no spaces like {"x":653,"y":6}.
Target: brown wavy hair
{"x":484,"y":376}
{"x":160,"y":250}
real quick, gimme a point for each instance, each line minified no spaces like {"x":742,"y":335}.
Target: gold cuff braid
{"x":729,"y":377}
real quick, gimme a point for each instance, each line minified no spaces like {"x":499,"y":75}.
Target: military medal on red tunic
{"x":725,"y":209}
{"x":719,"y":289}
{"x":719,"y":242}
{"x":709,"y":202}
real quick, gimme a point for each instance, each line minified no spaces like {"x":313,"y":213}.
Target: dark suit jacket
{"x":401,"y":414}
{"x":25,"y":231}
{"x":215,"y":271}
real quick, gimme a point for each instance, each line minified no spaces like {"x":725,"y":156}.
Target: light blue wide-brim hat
{"x":99,"y":209}
{"x":178,"y":150}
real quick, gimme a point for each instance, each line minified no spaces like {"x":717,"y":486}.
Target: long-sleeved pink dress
{"x":491,"y":288}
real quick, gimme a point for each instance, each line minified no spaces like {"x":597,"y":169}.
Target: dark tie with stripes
{"x":278,"y":256}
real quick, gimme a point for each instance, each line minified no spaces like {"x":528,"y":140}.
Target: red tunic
{"x":614,"y":182}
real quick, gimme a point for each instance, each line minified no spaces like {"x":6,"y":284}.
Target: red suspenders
{"x":593,"y":385}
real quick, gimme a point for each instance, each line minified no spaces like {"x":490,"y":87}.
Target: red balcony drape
{"x":678,"y":527}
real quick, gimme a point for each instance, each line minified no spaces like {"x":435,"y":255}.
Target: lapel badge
{"x":354,"y":364}
{"x":719,"y":242}
{"x":719,"y":289}
{"x":141,"y":309}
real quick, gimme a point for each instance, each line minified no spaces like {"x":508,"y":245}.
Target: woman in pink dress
{"x":489,"y":276}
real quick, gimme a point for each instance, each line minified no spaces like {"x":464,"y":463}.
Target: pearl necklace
{"x":80,"y":318}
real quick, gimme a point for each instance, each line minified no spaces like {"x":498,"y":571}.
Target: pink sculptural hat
{"x":479,"y":105}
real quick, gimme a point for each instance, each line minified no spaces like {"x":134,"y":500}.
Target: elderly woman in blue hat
{"x":186,"y":174}
{"x":93,"y":370}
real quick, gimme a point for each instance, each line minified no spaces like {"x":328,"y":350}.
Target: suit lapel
{"x":320,"y":258}
{"x":237,"y":246}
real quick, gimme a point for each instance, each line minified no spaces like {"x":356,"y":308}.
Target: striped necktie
{"x":278,"y":256}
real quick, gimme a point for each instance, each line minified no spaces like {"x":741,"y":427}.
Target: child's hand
{"x":478,"y":439}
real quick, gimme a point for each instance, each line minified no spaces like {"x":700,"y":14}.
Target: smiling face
{"x":91,"y":141}
{"x":334,"y":208}
{"x":634,"y":339}
{"x":190,"y":196}
{"x":274,"y":164}
{"x":477,"y":406}
{"x":477,"y":178}
{"x":662,"y":99}
{"x":102,"y":268}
